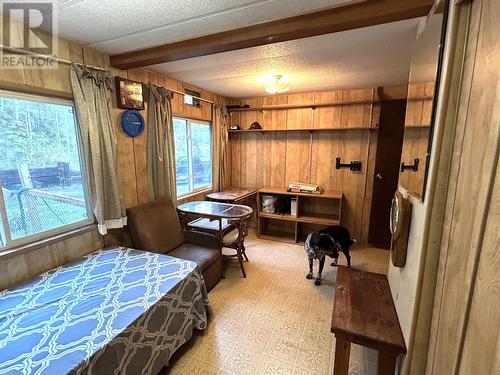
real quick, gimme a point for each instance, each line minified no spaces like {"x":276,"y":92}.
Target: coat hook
{"x":413,"y":167}
{"x":354,"y":165}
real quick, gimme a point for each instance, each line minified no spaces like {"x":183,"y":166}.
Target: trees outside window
{"x":193,"y":155}
{"x":42,"y":187}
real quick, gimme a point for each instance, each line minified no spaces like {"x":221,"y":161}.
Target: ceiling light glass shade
{"x":277,"y":84}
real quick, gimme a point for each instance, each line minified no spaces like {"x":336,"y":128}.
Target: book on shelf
{"x":294,"y":190}
{"x":300,"y":187}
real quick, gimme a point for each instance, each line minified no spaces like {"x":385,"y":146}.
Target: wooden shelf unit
{"x":297,"y":106}
{"x":313,"y":212}
{"x":302,"y":129}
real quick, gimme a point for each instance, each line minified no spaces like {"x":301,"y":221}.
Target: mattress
{"x":115,"y":311}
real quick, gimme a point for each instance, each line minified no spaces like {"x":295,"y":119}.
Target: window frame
{"x":9,"y":242}
{"x":189,"y":141}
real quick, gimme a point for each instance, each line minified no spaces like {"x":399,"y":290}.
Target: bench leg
{"x":342,"y":353}
{"x":386,"y":362}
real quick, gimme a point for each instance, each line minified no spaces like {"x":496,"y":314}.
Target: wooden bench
{"x":364,"y":314}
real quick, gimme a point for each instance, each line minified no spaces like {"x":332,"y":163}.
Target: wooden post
{"x":342,"y":354}
{"x":259,"y":208}
{"x":31,"y":207}
{"x":386,"y":362}
{"x":24,"y":175}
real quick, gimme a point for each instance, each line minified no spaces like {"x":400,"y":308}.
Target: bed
{"x":115,"y":311}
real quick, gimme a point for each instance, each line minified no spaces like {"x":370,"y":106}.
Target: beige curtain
{"x":92,"y":94}
{"x":220,"y":153}
{"x":161,"y":161}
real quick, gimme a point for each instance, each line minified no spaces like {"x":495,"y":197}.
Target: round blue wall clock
{"x":132,"y":122}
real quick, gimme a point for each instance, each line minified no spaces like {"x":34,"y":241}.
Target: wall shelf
{"x":297,"y":106}
{"x":314,"y":211}
{"x":423,"y":97}
{"x":305,"y":218}
{"x":316,"y":105}
{"x":278,"y":216}
{"x":301,"y":130}
{"x":417,"y":126}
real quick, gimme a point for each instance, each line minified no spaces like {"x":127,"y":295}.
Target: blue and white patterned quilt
{"x":115,"y":311}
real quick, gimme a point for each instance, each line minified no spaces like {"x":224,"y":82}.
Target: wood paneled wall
{"x":416,"y":136}
{"x":132,"y":153}
{"x":132,"y":157}
{"x":51,"y":82}
{"x":278,"y":158}
{"x":16,"y":268}
{"x":465,"y":333}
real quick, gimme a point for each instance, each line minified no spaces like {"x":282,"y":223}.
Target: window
{"x":193,"y":155}
{"x":42,"y":189}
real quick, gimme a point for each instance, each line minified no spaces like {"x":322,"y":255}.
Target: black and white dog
{"x":328,"y":241}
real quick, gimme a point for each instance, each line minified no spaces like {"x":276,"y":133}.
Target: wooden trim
{"x":46,"y":241}
{"x":185,"y":197}
{"x":308,"y":219}
{"x":325,"y":194}
{"x":440,"y":168}
{"x":192,"y":117}
{"x":423,"y":97}
{"x":35,"y":90}
{"x":329,"y":20}
{"x":295,"y":106}
{"x":303,"y":130}
{"x":417,"y":126}
{"x":393,"y":92}
{"x":286,"y":217}
{"x":390,"y":96}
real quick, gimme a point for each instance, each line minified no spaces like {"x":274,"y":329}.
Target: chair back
{"x":155,"y":226}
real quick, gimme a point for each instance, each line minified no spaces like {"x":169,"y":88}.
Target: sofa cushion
{"x":155,"y":226}
{"x":202,"y":256}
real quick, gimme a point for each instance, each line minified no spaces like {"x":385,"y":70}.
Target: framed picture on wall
{"x":129,"y":94}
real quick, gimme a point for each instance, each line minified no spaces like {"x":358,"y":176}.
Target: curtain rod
{"x":177,"y":91}
{"x":69,"y":62}
{"x":20,"y":51}
{"x":183,"y":93}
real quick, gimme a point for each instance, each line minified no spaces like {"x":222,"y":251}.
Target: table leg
{"x":342,"y":353}
{"x":221,"y":238}
{"x":386,"y":362}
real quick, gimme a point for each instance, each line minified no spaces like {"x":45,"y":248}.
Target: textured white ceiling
{"x":367,"y":57}
{"x":114,"y":26}
{"x":378,"y":55}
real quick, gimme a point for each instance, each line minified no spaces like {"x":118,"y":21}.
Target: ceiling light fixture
{"x":277,"y":84}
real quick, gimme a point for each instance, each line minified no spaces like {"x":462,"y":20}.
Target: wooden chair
{"x":233,"y":235}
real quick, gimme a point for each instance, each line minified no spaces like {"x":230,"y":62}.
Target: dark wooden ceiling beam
{"x":326,"y":21}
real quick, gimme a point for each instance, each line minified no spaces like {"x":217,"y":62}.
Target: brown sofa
{"x":155,"y":227}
